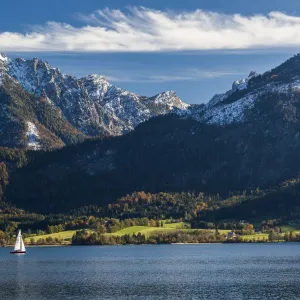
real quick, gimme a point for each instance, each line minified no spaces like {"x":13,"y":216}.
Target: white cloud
{"x":177,"y":75}
{"x":141,"y":29}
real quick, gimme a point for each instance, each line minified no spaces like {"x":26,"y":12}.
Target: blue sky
{"x":167,"y":45}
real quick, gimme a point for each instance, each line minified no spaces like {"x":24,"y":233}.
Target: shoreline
{"x":38,"y":246}
{"x":216,"y":243}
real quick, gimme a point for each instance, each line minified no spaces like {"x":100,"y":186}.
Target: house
{"x":231,"y":235}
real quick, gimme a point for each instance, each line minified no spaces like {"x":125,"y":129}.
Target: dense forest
{"x":165,"y":154}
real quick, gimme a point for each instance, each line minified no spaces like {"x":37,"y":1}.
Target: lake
{"x":221,"y":271}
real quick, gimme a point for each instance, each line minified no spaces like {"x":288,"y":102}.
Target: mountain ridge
{"x":90,"y":104}
{"x":94,"y":107}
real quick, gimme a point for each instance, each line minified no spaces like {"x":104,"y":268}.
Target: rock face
{"x":90,"y":104}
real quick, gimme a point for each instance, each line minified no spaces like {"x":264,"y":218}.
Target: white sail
{"x":18,"y":242}
{"x":22,"y":245}
{"x":19,"y":245}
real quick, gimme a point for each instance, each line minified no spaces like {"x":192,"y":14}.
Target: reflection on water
{"x":243,"y":271}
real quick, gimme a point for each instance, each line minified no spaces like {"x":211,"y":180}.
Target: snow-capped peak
{"x":243,"y":83}
{"x":95,"y":79}
{"x":91,"y":103}
{"x":170,"y":99}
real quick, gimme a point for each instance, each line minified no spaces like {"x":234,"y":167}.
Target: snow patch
{"x":32,"y":136}
{"x":3,"y":57}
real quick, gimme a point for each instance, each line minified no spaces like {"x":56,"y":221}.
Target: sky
{"x":197,"y":48}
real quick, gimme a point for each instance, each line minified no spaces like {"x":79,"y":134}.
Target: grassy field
{"x":152,"y":230}
{"x":129,"y":230}
{"x":255,"y":237}
{"x":179,"y":225}
{"x":146,"y":230}
{"x":66,"y":236}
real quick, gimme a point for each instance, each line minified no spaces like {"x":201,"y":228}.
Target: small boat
{"x":19,"y":245}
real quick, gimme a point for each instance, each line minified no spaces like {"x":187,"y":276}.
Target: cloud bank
{"x":140,"y":29}
{"x":183,"y":75}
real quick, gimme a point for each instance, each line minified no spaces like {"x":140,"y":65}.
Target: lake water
{"x":240,"y":271}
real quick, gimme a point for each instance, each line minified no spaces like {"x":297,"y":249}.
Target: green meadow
{"x":66,"y":236}
{"x":255,"y":237}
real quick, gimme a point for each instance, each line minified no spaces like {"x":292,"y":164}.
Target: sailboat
{"x":19,"y":245}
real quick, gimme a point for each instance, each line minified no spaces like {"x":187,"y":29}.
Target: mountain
{"x":85,"y":107}
{"x":237,"y":105}
{"x":243,"y":139}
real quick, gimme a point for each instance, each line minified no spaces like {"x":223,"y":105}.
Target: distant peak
{"x":170,"y":99}
{"x":169,"y":93}
{"x":36,"y":62}
{"x":96,"y":78}
{"x":20,"y":59}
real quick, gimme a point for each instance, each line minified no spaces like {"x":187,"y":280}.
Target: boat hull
{"x":18,"y":252}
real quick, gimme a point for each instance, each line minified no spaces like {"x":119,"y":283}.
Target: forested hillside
{"x":165,"y":154}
